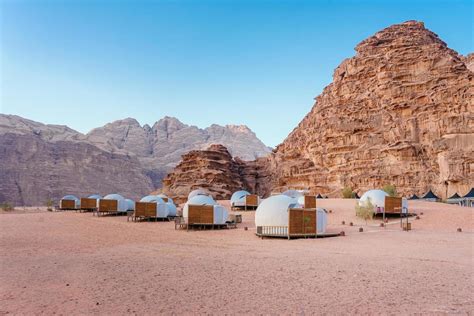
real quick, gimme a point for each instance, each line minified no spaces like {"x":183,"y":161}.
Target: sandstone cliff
{"x":39,"y":161}
{"x":399,"y":112}
{"x":33,"y":170}
{"x":160,"y":147}
{"x":212,"y":169}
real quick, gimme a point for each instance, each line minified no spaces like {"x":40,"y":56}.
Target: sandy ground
{"x":76,"y":263}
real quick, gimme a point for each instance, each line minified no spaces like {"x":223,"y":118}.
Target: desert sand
{"x":76,"y":263}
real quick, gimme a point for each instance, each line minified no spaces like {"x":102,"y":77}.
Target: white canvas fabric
{"x":165,"y":196}
{"x":322,"y":220}
{"x":172,"y":210}
{"x":293,"y":193}
{"x":273,"y":211}
{"x":197,"y":192}
{"x":376,"y":197}
{"x":130,"y":205}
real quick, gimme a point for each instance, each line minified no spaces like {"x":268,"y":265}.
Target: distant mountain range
{"x":39,"y":161}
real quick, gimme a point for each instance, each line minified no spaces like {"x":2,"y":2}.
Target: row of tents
{"x":466,"y":200}
{"x":155,"y":206}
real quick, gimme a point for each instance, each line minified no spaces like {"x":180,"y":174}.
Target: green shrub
{"x":347,"y":193}
{"x":365,"y":210}
{"x":49,"y":205}
{"x":390,"y":189}
{"x":6,"y":207}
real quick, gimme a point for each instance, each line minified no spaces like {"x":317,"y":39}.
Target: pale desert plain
{"x":75,"y":263}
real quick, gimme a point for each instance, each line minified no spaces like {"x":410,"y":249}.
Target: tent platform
{"x":319,"y":235}
{"x":179,"y":223}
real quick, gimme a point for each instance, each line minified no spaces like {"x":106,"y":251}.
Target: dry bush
{"x":6,"y":207}
{"x":365,"y":210}
{"x":347,"y":193}
{"x":390,"y":189}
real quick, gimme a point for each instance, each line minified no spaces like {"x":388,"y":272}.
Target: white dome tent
{"x":69,"y":202}
{"x":115,"y":203}
{"x":283,"y":216}
{"x":90,"y":203}
{"x":151,"y":206}
{"x":383,"y":202}
{"x":172,"y":210}
{"x":376,"y":197}
{"x":243,"y":199}
{"x":217,"y":215}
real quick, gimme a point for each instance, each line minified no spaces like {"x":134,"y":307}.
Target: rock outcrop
{"x":399,"y":112}
{"x":39,"y":162}
{"x":212,"y":169}
{"x":160,"y":147}
{"x":33,"y":170}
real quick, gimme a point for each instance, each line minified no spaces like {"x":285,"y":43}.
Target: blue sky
{"x":259,"y":63}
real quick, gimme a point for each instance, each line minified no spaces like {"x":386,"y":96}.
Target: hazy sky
{"x":259,"y":63}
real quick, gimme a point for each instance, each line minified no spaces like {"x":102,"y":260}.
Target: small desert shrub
{"x":6,"y":207}
{"x":347,"y":193}
{"x":390,"y":189}
{"x":365,"y":210}
{"x":49,"y":204}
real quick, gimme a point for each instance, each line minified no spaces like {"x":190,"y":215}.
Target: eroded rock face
{"x":33,"y":170}
{"x":39,"y":162}
{"x":399,"y":112}
{"x":212,"y":169}
{"x":161,"y":146}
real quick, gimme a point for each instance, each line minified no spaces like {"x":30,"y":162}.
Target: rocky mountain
{"x":160,"y":147}
{"x":401,"y":112}
{"x":39,"y":162}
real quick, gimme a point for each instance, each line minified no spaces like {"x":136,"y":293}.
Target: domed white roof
{"x":94,"y":196}
{"x":293,"y":193}
{"x":377,"y":198}
{"x":164,"y":196}
{"x":113,"y":197}
{"x":77,"y":202}
{"x":196,"y":193}
{"x":201,"y":200}
{"x":238,"y":196}
{"x":70,"y":197}
{"x":273,"y":211}
{"x":152,"y":198}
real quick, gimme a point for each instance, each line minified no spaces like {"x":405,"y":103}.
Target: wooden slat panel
{"x":108,"y":205}
{"x":302,"y":222}
{"x":67,"y":204}
{"x":251,"y":200}
{"x":200,"y":214}
{"x":295,"y":225}
{"x":393,"y":204}
{"x":87,"y":203}
{"x":310,"y":222}
{"x":310,"y":201}
{"x":145,"y":209}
